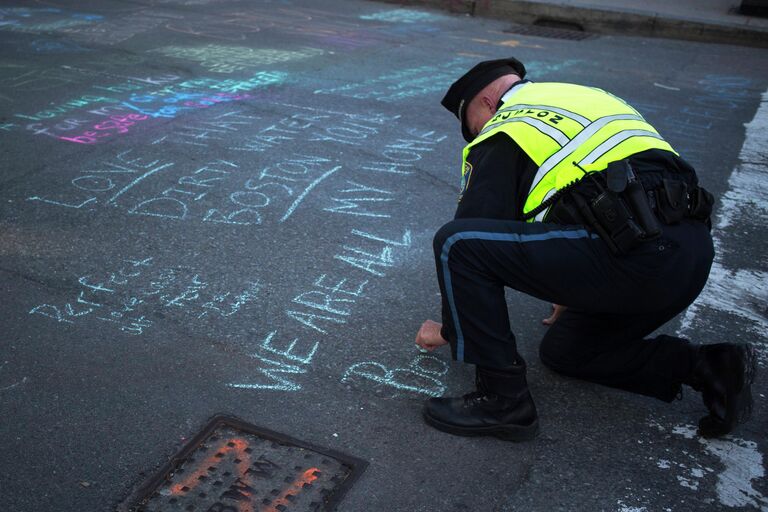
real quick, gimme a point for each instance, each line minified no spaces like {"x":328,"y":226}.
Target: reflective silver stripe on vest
{"x":516,"y":88}
{"x":583,"y":121}
{"x":543,"y":127}
{"x":597,"y":125}
{"x":614,"y":141}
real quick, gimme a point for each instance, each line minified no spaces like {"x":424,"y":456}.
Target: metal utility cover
{"x":549,"y":31}
{"x":232,"y":466}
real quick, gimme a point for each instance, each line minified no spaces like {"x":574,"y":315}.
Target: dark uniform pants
{"x":613,"y":302}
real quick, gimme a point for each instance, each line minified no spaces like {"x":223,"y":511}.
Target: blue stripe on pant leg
{"x":501,"y":237}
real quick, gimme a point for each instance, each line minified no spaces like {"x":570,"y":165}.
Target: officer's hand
{"x":428,"y":337}
{"x":557,"y":310}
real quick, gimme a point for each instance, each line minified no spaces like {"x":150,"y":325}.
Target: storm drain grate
{"x":232,"y":466}
{"x":550,"y":30}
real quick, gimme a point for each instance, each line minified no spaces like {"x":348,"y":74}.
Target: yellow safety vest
{"x":557,"y":124}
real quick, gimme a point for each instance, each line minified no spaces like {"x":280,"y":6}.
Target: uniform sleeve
{"x":497,"y":185}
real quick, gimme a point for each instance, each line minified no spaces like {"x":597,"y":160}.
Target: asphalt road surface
{"x":226,"y":207}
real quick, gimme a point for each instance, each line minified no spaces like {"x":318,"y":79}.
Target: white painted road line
{"x":742,"y":292}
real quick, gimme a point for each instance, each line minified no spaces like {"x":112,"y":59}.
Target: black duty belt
{"x":623,"y":213}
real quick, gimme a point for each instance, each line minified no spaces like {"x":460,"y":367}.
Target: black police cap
{"x":473,"y":81}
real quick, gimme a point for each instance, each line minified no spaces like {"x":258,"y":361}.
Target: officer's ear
{"x":490,"y":104}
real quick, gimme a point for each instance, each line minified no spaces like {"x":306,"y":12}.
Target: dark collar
{"x":521,"y":82}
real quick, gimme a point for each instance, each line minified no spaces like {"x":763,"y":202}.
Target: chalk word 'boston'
{"x":140,"y":184}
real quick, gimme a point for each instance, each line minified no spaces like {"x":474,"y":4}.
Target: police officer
{"x":570,"y":196}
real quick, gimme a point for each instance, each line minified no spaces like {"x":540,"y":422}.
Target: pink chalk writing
{"x":119,"y":124}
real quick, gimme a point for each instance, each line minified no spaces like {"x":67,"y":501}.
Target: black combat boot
{"x":724,"y":373}
{"x":502,"y":406}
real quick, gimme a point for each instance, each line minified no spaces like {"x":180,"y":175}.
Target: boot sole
{"x":743,"y":399}
{"x":741,"y":410}
{"x":505,"y":432}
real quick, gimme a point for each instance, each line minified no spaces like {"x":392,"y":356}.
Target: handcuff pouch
{"x":672,"y":201}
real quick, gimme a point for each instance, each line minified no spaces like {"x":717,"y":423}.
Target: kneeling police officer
{"x":570,"y":196}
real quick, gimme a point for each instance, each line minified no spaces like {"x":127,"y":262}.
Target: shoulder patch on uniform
{"x":466,"y":175}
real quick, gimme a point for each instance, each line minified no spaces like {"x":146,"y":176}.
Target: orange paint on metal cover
{"x":295,"y":488}
{"x":193,"y":479}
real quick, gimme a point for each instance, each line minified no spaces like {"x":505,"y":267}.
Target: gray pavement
{"x":713,"y":21}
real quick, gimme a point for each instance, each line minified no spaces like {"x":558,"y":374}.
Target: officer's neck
{"x":512,"y":90}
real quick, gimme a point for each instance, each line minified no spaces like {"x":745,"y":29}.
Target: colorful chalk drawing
{"x":24,"y":77}
{"x":118,"y":183}
{"x":228,"y":59}
{"x":402,"y":16}
{"x":68,"y":106}
{"x":139,"y":100}
{"x":361,"y":256}
{"x":140,"y":186}
{"x":329,"y":303}
{"x":325,"y":304}
{"x":139,"y":183}
{"x":170,"y":106}
{"x":37,"y":20}
{"x":277,"y":363}
{"x":202,"y":132}
{"x":421,"y":375}
{"x":129,"y":297}
{"x":133,"y":299}
{"x":311,"y":124}
{"x":35,"y":77}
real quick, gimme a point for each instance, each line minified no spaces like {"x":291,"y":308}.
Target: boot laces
{"x":475,"y":397}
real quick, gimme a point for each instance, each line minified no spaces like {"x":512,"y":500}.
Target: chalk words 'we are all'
{"x":328,"y":303}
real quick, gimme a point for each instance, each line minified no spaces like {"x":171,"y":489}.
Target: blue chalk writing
{"x":328,"y":298}
{"x":232,"y":301}
{"x":59,"y":203}
{"x":402,"y":16}
{"x":281,"y":364}
{"x":371,"y":261}
{"x":128,"y":296}
{"x":420,"y":376}
{"x":310,"y":320}
{"x":353,"y":205}
{"x":306,"y":191}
